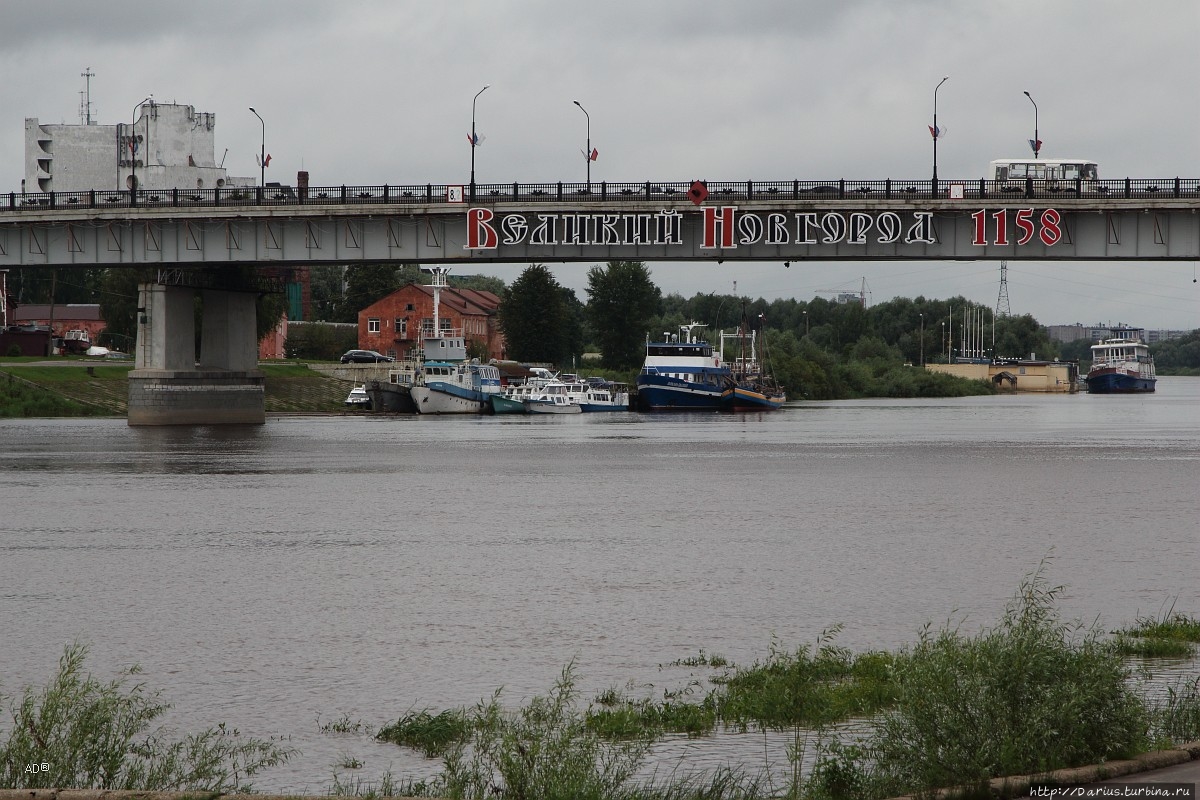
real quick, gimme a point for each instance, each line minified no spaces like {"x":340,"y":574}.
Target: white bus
{"x":1054,"y":174}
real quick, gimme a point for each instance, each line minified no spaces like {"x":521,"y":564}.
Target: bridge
{"x":845,"y":220}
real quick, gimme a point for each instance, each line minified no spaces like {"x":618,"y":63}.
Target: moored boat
{"x":752,"y":388}
{"x":447,"y":383}
{"x":1121,"y":364}
{"x":503,"y":403}
{"x":551,"y":399}
{"x":596,"y":394}
{"x":682,"y":374}
{"x":464,"y":387}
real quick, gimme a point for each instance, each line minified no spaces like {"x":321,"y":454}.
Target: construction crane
{"x":849,"y":295}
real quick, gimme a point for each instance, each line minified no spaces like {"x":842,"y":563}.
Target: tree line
{"x":817,"y":348}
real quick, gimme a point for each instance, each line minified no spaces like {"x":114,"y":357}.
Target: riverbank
{"x":86,"y":387}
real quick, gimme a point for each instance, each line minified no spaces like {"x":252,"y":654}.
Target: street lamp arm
{"x":262,"y":153}
{"x":934,"y":131}
{"x":473,"y":137}
{"x":587,"y":154}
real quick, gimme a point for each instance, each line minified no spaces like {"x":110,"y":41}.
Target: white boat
{"x":446,"y":382}
{"x":596,"y":394}
{"x":463,"y":387}
{"x":358,"y":398}
{"x":1121,"y":364}
{"x":551,"y":399}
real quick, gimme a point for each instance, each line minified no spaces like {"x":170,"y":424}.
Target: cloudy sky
{"x":380,"y":91}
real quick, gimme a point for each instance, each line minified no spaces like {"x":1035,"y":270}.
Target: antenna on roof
{"x":85,"y":97}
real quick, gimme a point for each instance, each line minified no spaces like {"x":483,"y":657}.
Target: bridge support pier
{"x":168,"y":386}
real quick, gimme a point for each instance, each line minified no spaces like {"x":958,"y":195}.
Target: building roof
{"x":79,"y":311}
{"x":464,"y":301}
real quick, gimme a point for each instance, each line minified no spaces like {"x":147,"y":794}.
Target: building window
{"x":409,"y":307}
{"x":402,"y":327}
{"x":373,"y":325}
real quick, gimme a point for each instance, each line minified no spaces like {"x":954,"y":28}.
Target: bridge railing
{"x":602,"y":192}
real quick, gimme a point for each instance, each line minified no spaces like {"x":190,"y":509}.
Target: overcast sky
{"x":380,"y":91}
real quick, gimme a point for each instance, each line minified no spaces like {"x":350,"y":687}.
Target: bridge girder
{"x":1121,"y":229}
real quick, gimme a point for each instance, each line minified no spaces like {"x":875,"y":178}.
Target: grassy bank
{"x":76,"y":388}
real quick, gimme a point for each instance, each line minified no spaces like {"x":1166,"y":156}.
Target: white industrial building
{"x":169,"y":147}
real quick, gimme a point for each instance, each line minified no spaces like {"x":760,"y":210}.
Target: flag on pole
{"x":474,"y":139}
{"x":263,"y":162}
{"x":1036,"y":144}
{"x":937,"y":132}
{"x":595,"y":154}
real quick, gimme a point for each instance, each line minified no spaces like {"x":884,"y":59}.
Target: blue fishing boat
{"x":682,"y":373}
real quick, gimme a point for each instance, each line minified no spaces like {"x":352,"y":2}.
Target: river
{"x":280,"y":576}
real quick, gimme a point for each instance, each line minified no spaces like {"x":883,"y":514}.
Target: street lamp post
{"x":1037,"y":144}
{"x":944,"y":341}
{"x":922,"y":340}
{"x":935,"y":131}
{"x":474,"y":138}
{"x":133,"y":149}
{"x":805,"y":323}
{"x":587,"y":154}
{"x":262,"y":152}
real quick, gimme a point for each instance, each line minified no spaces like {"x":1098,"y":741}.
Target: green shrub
{"x":1027,"y":696}
{"x":546,"y":751}
{"x":93,"y":735}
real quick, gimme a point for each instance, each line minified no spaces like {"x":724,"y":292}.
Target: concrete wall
{"x":69,"y":158}
{"x":1034,"y":376}
{"x":176,"y":150}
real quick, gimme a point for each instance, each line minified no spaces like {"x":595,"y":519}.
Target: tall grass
{"x":82,"y":733}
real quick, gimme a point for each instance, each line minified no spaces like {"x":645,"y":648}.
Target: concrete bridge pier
{"x":168,"y":386}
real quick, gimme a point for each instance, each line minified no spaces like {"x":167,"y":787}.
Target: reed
{"x":432,"y":734}
{"x":619,"y":717}
{"x":1170,"y":625}
{"x":89,"y":734}
{"x":1152,"y":647}
{"x":1176,"y":718}
{"x":813,"y":688}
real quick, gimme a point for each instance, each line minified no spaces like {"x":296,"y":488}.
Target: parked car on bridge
{"x":364,"y":357}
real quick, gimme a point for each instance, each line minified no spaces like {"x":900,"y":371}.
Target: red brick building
{"x":396,"y":324}
{"x":61,"y":317}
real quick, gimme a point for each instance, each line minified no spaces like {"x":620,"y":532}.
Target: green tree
{"x":535,"y":319}
{"x":366,"y":283}
{"x":325,"y":283}
{"x":480,"y":283}
{"x":621,"y":302}
{"x":1179,"y":356}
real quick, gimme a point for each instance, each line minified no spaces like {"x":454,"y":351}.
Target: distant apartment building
{"x":1094,"y":333}
{"x":169,"y":146}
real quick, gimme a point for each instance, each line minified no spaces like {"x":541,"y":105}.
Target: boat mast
{"x":439,"y":272}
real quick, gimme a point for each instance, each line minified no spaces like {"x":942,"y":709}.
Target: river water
{"x":319,"y":567}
